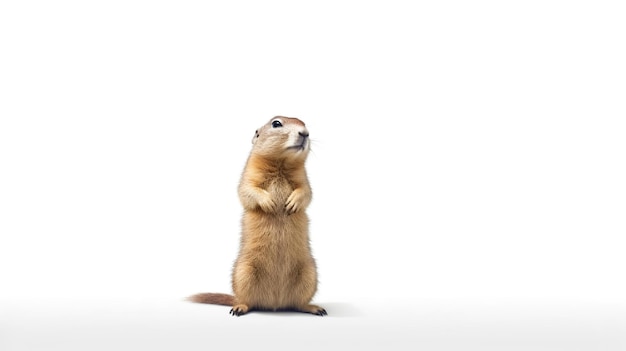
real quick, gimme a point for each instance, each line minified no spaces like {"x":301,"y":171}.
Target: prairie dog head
{"x":282,"y":137}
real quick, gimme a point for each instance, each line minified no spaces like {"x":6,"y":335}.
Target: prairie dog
{"x":274,"y":269}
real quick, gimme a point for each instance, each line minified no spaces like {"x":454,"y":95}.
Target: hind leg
{"x":304,"y":286}
{"x":245,"y":287}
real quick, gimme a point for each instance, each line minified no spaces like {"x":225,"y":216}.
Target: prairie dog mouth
{"x":301,"y":143}
{"x":299,"y":147}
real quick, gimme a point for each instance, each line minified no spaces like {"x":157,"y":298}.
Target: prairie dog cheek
{"x":292,"y":139}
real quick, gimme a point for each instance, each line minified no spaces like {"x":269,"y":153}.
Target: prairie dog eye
{"x":276,"y":124}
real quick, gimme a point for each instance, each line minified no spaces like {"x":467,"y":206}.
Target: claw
{"x":239,"y":310}
{"x":321,"y":312}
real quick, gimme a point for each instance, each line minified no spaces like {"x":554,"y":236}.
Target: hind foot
{"x":239,"y":310}
{"x":313,"y":309}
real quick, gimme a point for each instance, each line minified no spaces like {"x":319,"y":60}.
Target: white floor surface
{"x":173,"y":324}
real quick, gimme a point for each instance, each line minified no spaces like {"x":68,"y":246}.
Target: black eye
{"x":276,"y":124}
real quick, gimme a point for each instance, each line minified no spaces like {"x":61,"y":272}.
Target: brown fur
{"x":274,"y":269}
{"x":213,"y":298}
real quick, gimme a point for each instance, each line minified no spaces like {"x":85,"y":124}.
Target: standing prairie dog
{"x":274,"y":269}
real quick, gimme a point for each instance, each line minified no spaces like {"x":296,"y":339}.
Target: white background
{"x":468,"y":170}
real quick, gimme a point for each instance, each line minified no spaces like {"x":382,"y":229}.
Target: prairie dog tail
{"x":213,"y":298}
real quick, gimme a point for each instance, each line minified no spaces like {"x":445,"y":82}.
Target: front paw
{"x":296,"y":202}
{"x":267,"y":204}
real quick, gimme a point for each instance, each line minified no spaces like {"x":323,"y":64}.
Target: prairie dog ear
{"x":256,"y":135}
